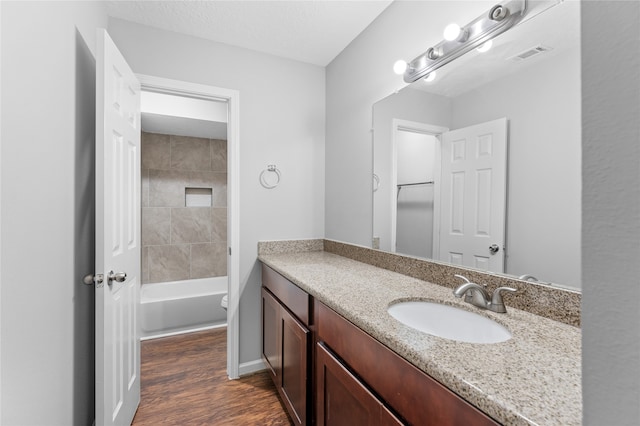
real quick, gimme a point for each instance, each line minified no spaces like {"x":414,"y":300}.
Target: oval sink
{"x":449,"y":322}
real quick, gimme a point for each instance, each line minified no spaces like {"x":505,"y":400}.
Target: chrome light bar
{"x":479,"y":31}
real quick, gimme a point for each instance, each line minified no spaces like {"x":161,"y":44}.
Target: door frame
{"x":399,"y":125}
{"x":232,"y":97}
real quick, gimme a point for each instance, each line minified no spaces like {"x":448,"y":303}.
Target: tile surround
{"x":145,"y":188}
{"x":181,"y":242}
{"x":189,"y":153}
{"x":218,"y":155}
{"x":169,"y":263}
{"x":219,"y":224}
{"x":208,"y":260}
{"x":166,"y":187}
{"x":156,"y":226}
{"x":157,"y":151}
{"x":191,"y":225}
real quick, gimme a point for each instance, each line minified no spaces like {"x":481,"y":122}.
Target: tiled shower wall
{"x":180,"y":242}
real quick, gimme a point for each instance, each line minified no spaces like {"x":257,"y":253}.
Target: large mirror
{"x":481,"y":167}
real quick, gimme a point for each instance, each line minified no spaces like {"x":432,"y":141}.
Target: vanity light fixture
{"x":460,"y":40}
{"x":400,"y":67}
{"x":453,"y":32}
{"x":485,"y":47}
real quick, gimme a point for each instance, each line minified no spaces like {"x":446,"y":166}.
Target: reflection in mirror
{"x":445,"y":191}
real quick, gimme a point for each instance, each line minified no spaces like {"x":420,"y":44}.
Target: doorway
{"x":415,"y":187}
{"x":230,"y":98}
{"x":415,"y":200}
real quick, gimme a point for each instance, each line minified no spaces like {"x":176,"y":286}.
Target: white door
{"x":117,"y":236}
{"x":473,"y":195}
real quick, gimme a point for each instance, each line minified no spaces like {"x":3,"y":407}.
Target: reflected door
{"x":473,"y":194}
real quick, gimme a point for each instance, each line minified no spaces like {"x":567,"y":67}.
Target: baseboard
{"x":251,"y":367}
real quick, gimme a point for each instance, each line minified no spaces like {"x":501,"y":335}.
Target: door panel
{"x":473,"y":192}
{"x":270,"y":335}
{"x":117,"y":236}
{"x":341,"y":398}
{"x":295,"y":342}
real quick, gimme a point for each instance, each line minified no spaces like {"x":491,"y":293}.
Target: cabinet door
{"x":271,"y":334}
{"x":341,"y":399}
{"x":295,"y":366}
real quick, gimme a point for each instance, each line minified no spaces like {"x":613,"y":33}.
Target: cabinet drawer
{"x":418,"y":398}
{"x":291,"y":296}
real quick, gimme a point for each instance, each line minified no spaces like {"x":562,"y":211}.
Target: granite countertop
{"x":532,"y":379}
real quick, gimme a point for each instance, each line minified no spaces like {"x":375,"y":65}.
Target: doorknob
{"x":118,"y":277}
{"x":91,"y":279}
{"x":494,"y":248}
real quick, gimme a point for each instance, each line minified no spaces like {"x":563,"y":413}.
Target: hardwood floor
{"x":184,"y":382}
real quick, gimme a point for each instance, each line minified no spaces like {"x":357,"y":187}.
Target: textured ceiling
{"x":309,"y":31}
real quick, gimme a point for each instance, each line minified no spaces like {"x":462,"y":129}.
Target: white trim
{"x":0,"y":224}
{"x":252,"y":367}
{"x":182,"y":88}
{"x":398,"y":125}
{"x":184,"y":331}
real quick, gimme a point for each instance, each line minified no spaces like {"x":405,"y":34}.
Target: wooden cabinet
{"x":413,"y":395}
{"x":341,"y":399}
{"x":285,"y":345}
{"x":270,"y":336}
{"x":357,"y":380}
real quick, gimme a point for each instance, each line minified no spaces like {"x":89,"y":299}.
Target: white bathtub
{"x":182,"y":306}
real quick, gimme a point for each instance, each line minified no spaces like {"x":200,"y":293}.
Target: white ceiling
{"x":183,"y":126}
{"x":308,"y":31}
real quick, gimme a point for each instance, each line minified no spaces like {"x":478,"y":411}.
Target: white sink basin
{"x":449,"y":322}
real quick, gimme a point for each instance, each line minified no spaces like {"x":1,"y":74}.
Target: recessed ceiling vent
{"x":530,"y":53}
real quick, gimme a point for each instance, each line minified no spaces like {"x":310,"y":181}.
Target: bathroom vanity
{"x":336,"y":355}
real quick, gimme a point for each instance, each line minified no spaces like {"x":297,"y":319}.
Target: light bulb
{"x":452,"y":32}
{"x":430,"y":77}
{"x":485,"y":47}
{"x":400,"y":67}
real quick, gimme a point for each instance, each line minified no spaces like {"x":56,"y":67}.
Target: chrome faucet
{"x":478,"y":296}
{"x":473,"y":293}
{"x":528,"y":277}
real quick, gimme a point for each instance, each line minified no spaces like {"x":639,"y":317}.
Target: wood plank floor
{"x":184,"y":382}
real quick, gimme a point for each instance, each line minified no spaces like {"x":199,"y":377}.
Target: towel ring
{"x":263,"y":181}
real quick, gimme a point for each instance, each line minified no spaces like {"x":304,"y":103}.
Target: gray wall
{"x":48,"y":128}
{"x":281,"y":122}
{"x":181,"y":242}
{"x":611,"y":213}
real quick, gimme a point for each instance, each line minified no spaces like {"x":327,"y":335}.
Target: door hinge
{"x":229,"y":251}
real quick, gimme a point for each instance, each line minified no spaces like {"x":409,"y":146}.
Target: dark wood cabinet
{"x":270,"y":336}
{"x":416,"y":397}
{"x":356,"y":379}
{"x":341,"y":399}
{"x":285,"y":345}
{"x":295,"y":367}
